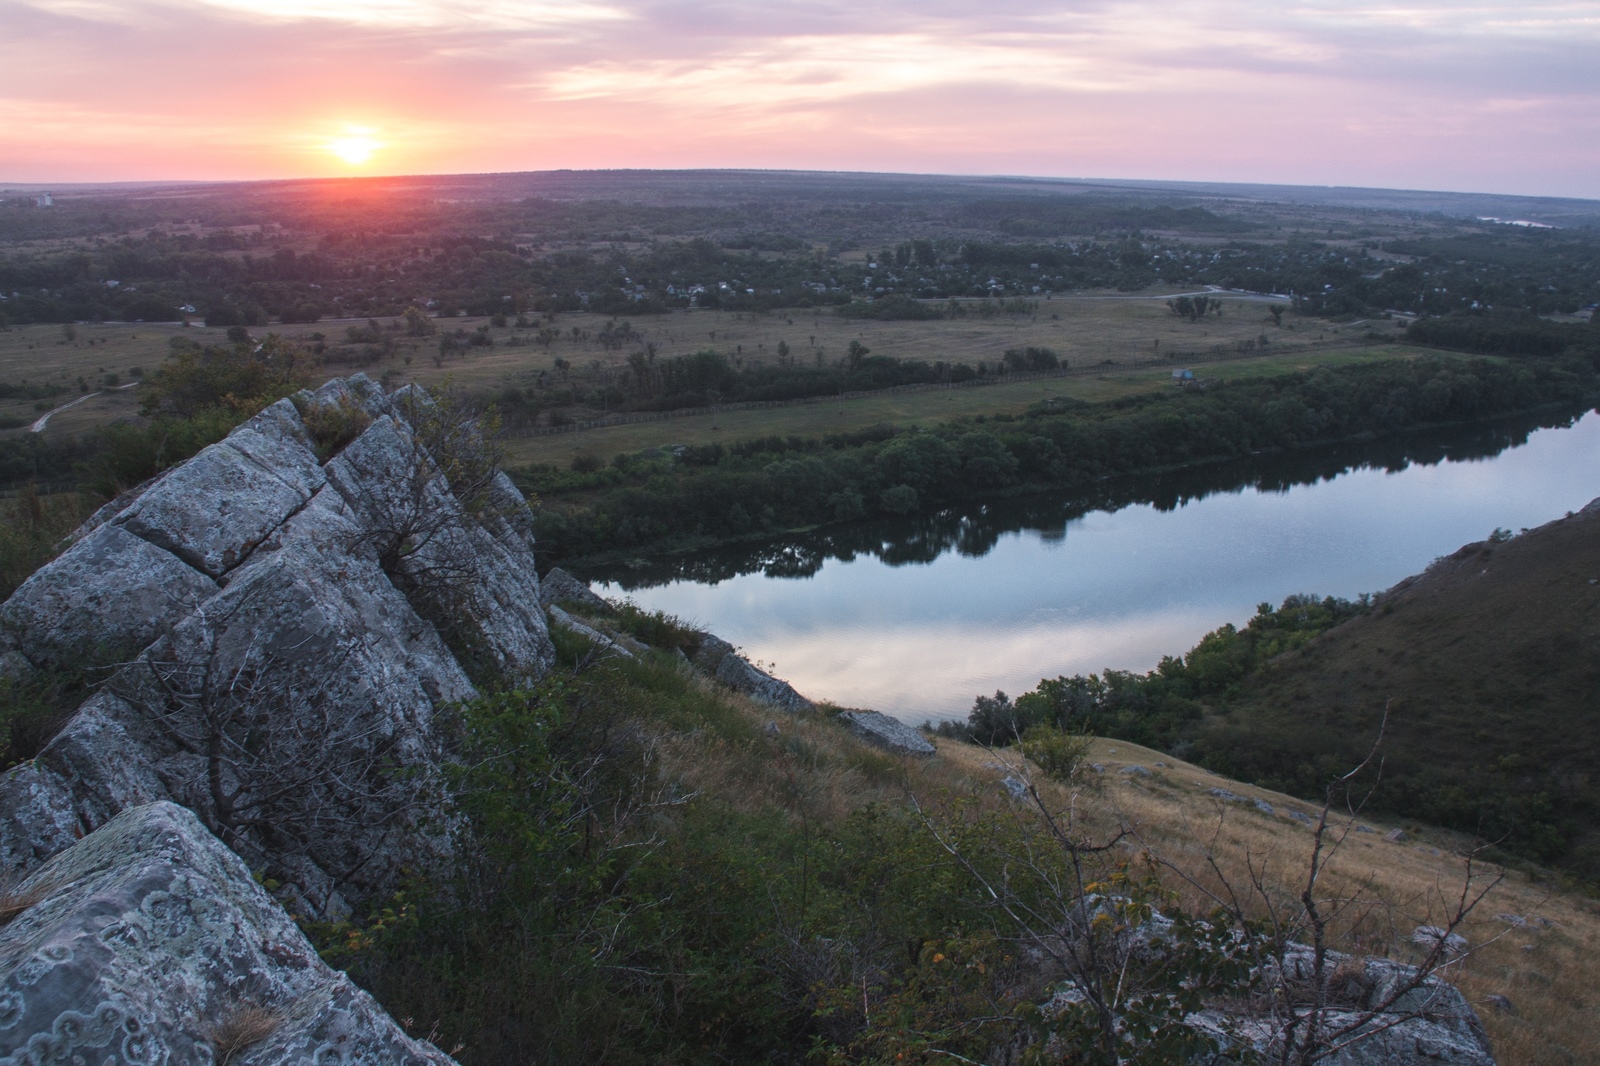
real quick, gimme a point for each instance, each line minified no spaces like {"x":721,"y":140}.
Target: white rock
{"x":147,"y":934}
{"x":891,"y":734}
{"x":101,"y":601}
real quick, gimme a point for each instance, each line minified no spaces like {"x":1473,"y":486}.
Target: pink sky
{"x":1490,"y":97}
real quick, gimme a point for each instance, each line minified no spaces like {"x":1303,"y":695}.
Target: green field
{"x":933,"y":405}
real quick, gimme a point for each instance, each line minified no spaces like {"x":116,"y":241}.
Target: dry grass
{"x":1550,"y":972}
{"x":32,"y":527}
{"x":1084,"y":330}
{"x":42,"y":355}
{"x":17,"y":899}
{"x":241,"y":1027}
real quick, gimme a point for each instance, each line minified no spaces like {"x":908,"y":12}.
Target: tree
{"x":418,"y":324}
{"x":236,"y":378}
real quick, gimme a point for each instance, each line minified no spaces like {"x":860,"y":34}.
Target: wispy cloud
{"x":1489,"y":95}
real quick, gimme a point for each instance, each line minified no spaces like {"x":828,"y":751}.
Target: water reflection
{"x":915,"y":616}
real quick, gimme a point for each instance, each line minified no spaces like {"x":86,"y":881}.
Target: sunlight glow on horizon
{"x":1483,"y":97}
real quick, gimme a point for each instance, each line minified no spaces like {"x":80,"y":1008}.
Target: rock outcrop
{"x":1430,"y":1025}
{"x":559,"y":586}
{"x":605,"y":641}
{"x":714,"y":656}
{"x":719,"y":659}
{"x":1389,"y":1013}
{"x":890,"y":734}
{"x":279,"y":633}
{"x":149,"y":942}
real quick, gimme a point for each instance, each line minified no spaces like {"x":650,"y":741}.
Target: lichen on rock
{"x":143,"y":939}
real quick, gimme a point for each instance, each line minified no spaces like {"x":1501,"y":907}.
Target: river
{"x":915,"y":617}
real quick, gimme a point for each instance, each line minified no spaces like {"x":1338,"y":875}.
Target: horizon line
{"x":1176,"y":183}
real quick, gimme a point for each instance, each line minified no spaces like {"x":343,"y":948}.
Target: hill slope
{"x":1490,"y":665}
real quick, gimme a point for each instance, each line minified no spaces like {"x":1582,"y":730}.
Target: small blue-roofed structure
{"x":1182,"y":377}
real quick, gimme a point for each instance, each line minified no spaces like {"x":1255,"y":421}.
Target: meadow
{"x":916,"y":406}
{"x":95,"y":364}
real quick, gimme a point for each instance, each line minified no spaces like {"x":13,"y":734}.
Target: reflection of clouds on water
{"x":933,"y":671}
{"x":1123,"y":587}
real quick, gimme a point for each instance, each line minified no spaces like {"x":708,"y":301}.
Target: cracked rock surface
{"x":140,"y":942}
{"x":260,"y":602}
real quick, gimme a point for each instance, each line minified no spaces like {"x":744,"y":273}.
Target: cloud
{"x":1434,"y":94}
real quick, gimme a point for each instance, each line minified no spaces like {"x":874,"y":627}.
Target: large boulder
{"x":284,"y":643}
{"x":290,"y":701}
{"x":149,"y":942}
{"x":1374,"y":1011}
{"x":481,"y":590}
{"x":101,"y":601}
{"x":719,"y":659}
{"x":1430,"y":1025}
{"x":604,"y":641}
{"x":890,"y":734}
{"x":148,"y":558}
{"x":214,"y":510}
{"x":559,"y":586}
{"x":294,"y":712}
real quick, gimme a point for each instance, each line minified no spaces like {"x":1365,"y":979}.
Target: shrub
{"x":332,"y":426}
{"x":1060,"y":755}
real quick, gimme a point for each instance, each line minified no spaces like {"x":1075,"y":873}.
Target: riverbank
{"x":690,"y":499}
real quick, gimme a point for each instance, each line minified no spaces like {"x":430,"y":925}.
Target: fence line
{"x":634,"y":417}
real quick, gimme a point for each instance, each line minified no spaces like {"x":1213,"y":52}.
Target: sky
{"x":1485,"y":97}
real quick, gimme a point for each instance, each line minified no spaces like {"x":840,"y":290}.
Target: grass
{"x":242,"y":1027}
{"x":1083,"y":330}
{"x":926,"y":407}
{"x":1489,"y":663}
{"x":807,"y":771}
{"x":43,"y":355}
{"x":32,"y":527}
{"x":1550,"y":974}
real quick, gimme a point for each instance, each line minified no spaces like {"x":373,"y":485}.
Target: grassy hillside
{"x":1489,"y":663}
{"x":664,"y":871}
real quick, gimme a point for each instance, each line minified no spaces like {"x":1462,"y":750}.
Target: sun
{"x":355,"y":148}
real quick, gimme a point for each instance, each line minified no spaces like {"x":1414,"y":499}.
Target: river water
{"x":915,"y":617}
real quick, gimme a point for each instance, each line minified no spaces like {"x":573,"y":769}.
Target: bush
{"x":1032,"y":359}
{"x":235,"y":378}
{"x":1058,"y":754}
{"x":332,"y":426}
{"x":657,"y":628}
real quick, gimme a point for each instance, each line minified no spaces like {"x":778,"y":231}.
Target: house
{"x":1182,"y":377}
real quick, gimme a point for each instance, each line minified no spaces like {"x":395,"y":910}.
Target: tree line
{"x":698,"y":495}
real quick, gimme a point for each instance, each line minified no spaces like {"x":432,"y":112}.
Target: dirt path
{"x":44,"y":419}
